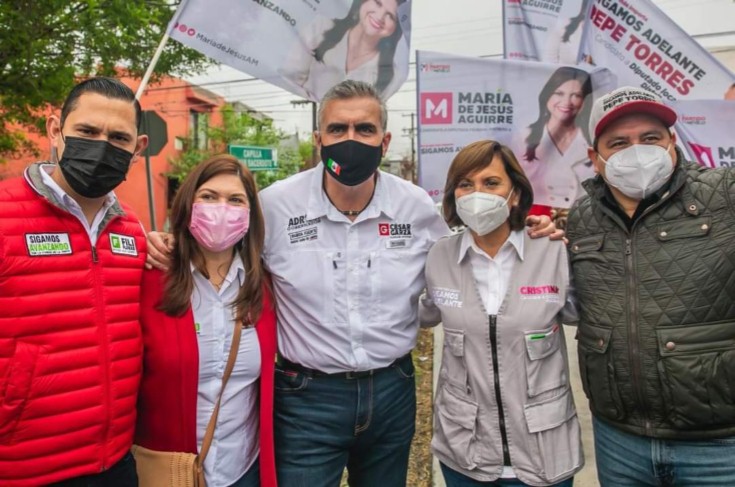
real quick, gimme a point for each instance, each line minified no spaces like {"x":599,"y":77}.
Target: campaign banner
{"x":705,"y":131}
{"x":549,"y":31}
{"x":646,"y":48}
{"x":540,"y":110}
{"x":303,"y":46}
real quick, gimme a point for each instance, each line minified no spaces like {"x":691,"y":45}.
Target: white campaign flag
{"x":539,"y":110}
{"x":543,"y":30}
{"x":705,"y":131}
{"x":302,"y":46}
{"x":645,"y":48}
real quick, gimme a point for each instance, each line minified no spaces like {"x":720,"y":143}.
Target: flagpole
{"x":159,"y":51}
{"x":138,"y":94}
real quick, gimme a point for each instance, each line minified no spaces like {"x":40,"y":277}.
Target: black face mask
{"x":351,"y":162}
{"x":93,"y":168}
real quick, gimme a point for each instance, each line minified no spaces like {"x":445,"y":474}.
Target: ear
{"x":140,"y":146}
{"x":386,"y":142}
{"x":53,"y":128}
{"x":317,"y":139}
{"x":595,"y":158}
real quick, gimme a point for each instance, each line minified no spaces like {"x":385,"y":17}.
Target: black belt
{"x":285,"y":363}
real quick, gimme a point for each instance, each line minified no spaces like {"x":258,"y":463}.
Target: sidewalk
{"x":587,"y":477}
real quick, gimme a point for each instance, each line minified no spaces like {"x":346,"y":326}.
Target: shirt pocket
{"x":454,"y":366}
{"x":397,"y":280}
{"x":546,"y":367}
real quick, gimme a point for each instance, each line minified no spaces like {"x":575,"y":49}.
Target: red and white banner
{"x":540,"y":110}
{"x":645,"y":48}
{"x":705,"y":131}
{"x":303,"y":46}
{"x":543,"y":30}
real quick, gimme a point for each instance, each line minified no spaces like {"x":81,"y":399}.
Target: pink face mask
{"x":218,"y":226}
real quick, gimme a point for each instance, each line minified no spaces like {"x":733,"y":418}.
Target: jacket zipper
{"x":498,"y":396}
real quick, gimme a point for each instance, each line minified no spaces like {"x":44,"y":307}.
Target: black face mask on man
{"x":351,"y":162}
{"x":93,"y":168}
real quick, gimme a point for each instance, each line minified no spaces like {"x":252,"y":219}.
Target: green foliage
{"x":244,"y":129}
{"x":47,"y":45}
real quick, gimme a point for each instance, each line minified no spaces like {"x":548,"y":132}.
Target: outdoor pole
{"x":313,"y":126}
{"x":149,"y":179}
{"x":138,"y":94}
{"x":412,"y":134}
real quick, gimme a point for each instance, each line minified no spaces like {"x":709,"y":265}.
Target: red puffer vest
{"x":70,"y":340}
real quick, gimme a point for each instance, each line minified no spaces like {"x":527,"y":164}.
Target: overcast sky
{"x":465,"y":27}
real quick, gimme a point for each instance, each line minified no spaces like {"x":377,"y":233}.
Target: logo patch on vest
{"x":548,"y":293}
{"x":443,"y":296}
{"x":40,"y":244}
{"x":123,"y":245}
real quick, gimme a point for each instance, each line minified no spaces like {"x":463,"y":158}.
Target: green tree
{"x":244,"y":129}
{"x":47,"y":45}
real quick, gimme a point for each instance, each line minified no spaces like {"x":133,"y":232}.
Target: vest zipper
{"x":498,"y":396}
{"x":104,"y":344}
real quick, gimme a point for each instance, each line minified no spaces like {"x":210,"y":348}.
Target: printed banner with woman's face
{"x":540,"y":110}
{"x":543,"y":30}
{"x":303,"y":46}
{"x":646,"y":48}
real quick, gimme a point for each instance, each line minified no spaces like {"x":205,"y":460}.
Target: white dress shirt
{"x":236,"y":435}
{"x":347,"y":292}
{"x":73,"y":207}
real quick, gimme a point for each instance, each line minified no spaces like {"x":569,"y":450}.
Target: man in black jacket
{"x":652,"y":256}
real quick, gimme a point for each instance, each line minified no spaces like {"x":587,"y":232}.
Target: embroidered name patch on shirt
{"x":548,"y":293}
{"x":302,"y":230}
{"x":123,"y":245}
{"x":398,"y":234}
{"x":443,"y":296}
{"x":39,"y":244}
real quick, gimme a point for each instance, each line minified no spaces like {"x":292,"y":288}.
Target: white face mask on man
{"x":483,"y":212}
{"x":639,"y":170}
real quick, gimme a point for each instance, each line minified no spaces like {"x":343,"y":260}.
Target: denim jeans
{"x":251,"y":478}
{"x":121,"y":474}
{"x":326,"y":423}
{"x":455,"y":479}
{"x":626,"y":460}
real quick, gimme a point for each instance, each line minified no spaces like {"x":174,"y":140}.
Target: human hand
{"x":542,"y":226}
{"x":160,"y":246}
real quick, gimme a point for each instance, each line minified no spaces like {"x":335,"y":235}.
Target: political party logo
{"x":399,"y":234}
{"x":703,"y":154}
{"x":123,"y":245}
{"x":436,"y":108}
{"x":435,"y":68}
{"x":185,"y":29}
{"x":384,"y":229}
{"x":41,"y":244}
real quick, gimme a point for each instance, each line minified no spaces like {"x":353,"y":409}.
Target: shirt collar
{"x":319,"y":205}
{"x":61,"y":196}
{"x":515,"y":241}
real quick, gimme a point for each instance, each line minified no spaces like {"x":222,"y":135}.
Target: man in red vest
{"x":71,"y":262}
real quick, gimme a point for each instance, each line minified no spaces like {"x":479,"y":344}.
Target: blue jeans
{"x":251,"y":478}
{"x":455,"y":479}
{"x":121,"y":474}
{"x":326,"y":423}
{"x":626,"y":460}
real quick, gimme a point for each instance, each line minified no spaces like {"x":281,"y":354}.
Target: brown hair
{"x":180,"y":282}
{"x":475,"y":157}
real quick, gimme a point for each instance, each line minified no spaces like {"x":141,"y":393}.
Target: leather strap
{"x":209,"y":434}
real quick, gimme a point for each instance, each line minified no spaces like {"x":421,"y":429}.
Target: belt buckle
{"x":358,"y":374}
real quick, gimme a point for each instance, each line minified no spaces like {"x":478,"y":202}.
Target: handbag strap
{"x":209,"y":433}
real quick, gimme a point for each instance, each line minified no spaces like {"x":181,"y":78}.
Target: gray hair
{"x":349,"y":89}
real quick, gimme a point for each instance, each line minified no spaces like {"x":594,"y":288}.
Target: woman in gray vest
{"x":504,"y":412}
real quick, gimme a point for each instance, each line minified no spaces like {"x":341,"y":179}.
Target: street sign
{"x":255,"y":158}
{"x":153,"y":125}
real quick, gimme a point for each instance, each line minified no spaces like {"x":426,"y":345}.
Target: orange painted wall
{"x":172,"y":99}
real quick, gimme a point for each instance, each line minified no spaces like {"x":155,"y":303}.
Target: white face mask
{"x":639,"y":170}
{"x":483,"y":212}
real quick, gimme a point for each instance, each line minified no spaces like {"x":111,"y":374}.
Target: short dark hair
{"x":475,"y":157}
{"x":349,"y":89}
{"x":108,"y":87}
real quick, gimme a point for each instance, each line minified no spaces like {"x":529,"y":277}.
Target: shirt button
{"x":663,"y":234}
{"x":670,"y":346}
{"x":705,"y":226}
{"x":600,"y":342}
